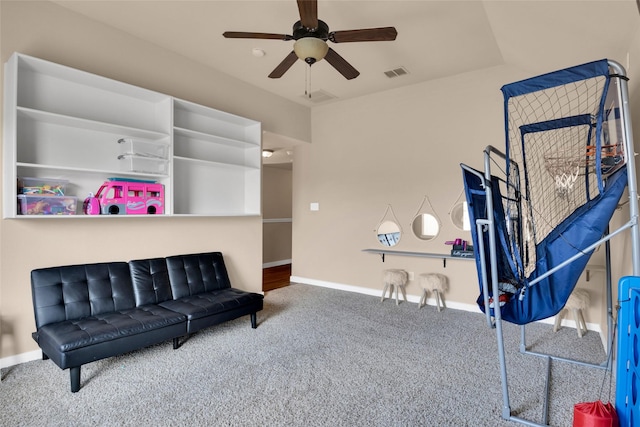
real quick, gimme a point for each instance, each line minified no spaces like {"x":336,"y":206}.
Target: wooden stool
{"x":394,"y":278}
{"x":578,"y":301}
{"x":438,"y":284}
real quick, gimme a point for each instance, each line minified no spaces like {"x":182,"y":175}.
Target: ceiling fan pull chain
{"x":307,"y":82}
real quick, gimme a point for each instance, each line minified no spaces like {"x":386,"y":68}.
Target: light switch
{"x":315,"y":206}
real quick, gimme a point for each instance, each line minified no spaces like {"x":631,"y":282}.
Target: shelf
{"x":80,"y":123}
{"x":63,"y":170}
{"x":54,"y":88}
{"x":202,"y":189}
{"x":241,"y":154}
{"x":213,"y":163}
{"x":62,"y":123}
{"x":46,"y":69}
{"x":197,"y":118}
{"x":215,"y":139}
{"x":443,"y":257}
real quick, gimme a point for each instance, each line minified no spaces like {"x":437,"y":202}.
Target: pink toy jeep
{"x":125,"y":197}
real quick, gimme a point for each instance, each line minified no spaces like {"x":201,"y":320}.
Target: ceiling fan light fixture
{"x":310,"y":49}
{"x":267,"y":153}
{"x":257,"y":52}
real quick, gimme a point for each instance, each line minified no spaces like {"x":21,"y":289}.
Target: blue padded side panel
{"x":583,"y":228}
{"x":628,"y":355}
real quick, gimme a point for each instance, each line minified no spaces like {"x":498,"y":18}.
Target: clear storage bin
{"x":142,"y":148}
{"x":42,"y":186}
{"x":151,"y":165}
{"x":46,"y":205}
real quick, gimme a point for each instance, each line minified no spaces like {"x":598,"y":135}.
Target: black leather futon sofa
{"x":89,"y":312}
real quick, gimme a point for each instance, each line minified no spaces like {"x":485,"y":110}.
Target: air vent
{"x":319,"y":96}
{"x":396,"y":72}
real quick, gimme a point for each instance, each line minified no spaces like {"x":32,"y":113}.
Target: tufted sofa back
{"x":197,"y":273}
{"x":150,"y":280}
{"x":77,"y":291}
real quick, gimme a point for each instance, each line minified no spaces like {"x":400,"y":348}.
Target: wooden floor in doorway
{"x":275,"y":277}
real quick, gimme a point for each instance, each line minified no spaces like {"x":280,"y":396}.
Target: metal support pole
{"x":627,"y":138}
{"x":506,"y":408}
{"x":609,"y":292}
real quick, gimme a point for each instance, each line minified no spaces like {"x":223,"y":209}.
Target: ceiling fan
{"x":311,"y":35}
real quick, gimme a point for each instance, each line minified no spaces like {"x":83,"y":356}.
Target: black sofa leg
{"x":254,"y":322}
{"x":176,"y":343}
{"x":74,"y":373}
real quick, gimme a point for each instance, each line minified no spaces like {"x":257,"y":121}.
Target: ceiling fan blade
{"x":340,"y":64}
{"x":243,"y":35}
{"x":364,"y":35}
{"x":308,"y":13}
{"x":284,"y":66}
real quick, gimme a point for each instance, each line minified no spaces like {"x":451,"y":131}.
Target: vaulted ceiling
{"x":435,"y":38}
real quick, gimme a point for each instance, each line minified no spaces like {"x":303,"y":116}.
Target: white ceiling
{"x":435,"y":38}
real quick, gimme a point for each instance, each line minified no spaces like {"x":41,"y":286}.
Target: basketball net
{"x":565,"y":171}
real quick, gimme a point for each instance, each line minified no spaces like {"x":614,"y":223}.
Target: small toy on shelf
{"x":460,"y":248}
{"x":120,"y":196}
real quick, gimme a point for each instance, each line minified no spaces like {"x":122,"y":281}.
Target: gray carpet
{"x":319,"y":357}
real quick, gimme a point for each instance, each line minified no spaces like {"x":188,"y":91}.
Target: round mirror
{"x":388,"y":233}
{"x":458,"y":215}
{"x":425,"y":226}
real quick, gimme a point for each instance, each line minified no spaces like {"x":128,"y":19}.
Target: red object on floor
{"x":595,"y":414}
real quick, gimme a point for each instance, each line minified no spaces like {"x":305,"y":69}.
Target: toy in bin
{"x":41,"y":186}
{"x":44,"y":196}
{"x":119,"y":196}
{"x":46,"y":205}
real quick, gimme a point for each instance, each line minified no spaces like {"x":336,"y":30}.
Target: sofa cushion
{"x":150,"y":280}
{"x":214,"y":302}
{"x":77,"y":291}
{"x":77,"y":333}
{"x":197,"y":273}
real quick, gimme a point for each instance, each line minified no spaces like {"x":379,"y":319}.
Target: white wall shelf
{"x":62,"y":123}
{"x":443,"y":257}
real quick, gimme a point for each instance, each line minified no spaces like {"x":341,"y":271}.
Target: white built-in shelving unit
{"x":63,"y":123}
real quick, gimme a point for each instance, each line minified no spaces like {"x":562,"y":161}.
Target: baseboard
{"x":17,"y":359}
{"x":415,"y":298}
{"x":276,"y":263}
{"x":377,"y":293}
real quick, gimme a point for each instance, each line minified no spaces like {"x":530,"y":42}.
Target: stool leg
{"x":438,"y":299}
{"x":581,"y":326}
{"x":556,"y":325}
{"x":384,"y":291}
{"x":423,"y":299}
{"x":404,"y":293}
{"x":584,"y":324}
{"x":397,"y":290}
{"x":441,"y":303}
{"x":576,"y":317}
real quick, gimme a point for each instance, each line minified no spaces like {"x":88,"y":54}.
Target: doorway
{"x":275,"y":277}
{"x":277,"y":201}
